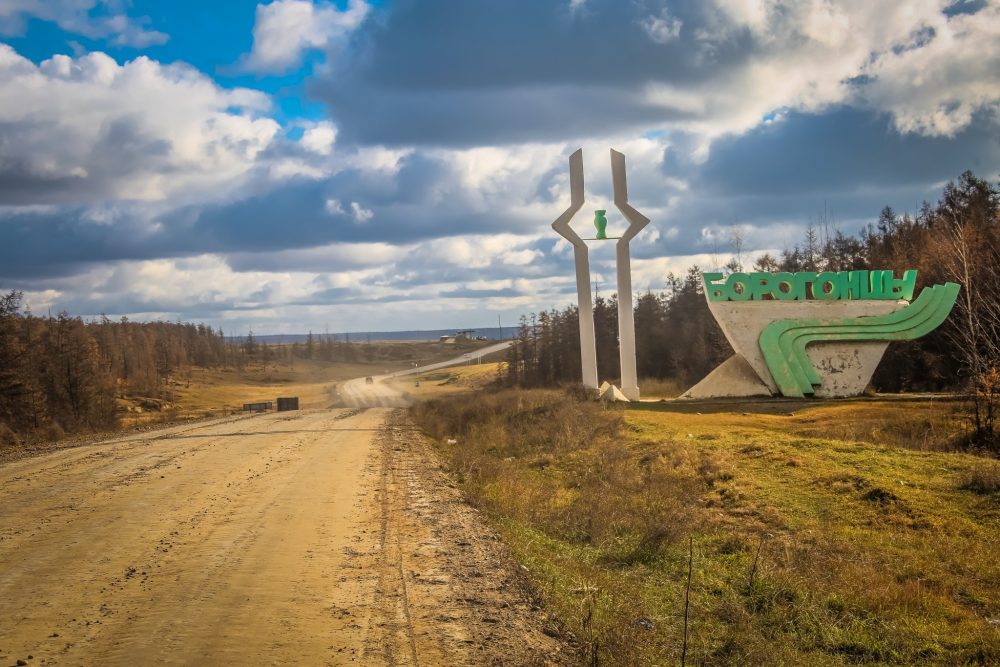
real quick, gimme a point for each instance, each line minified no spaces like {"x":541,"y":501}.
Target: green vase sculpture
{"x":601,"y":223}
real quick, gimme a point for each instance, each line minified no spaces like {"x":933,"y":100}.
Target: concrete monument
{"x":626,"y":323}
{"x":808,"y":334}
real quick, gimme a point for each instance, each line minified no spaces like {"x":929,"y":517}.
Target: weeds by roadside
{"x":805,"y":548}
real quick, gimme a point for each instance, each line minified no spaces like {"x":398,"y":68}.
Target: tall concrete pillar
{"x":626,"y":320}
{"x":588,"y":344}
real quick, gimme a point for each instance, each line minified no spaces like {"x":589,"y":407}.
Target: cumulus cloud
{"x":732,"y":66}
{"x":929,"y":67}
{"x":139,"y":130}
{"x":426,"y":198}
{"x":360,"y":213}
{"x":286,"y":29}
{"x":319,"y":138}
{"x":937,"y":79}
{"x":662,"y":28}
{"x":373,"y":286}
{"x":90,"y":18}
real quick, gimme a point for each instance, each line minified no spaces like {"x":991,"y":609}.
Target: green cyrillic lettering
{"x":855,"y":280}
{"x":801,"y":281}
{"x":784,"y":286}
{"x":901,"y":288}
{"x":762,"y":285}
{"x":715,"y":292}
{"x":827,"y":286}
{"x":742,"y":282}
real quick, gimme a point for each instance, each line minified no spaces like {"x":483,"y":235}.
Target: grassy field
{"x":446,"y":381}
{"x":816,"y":534}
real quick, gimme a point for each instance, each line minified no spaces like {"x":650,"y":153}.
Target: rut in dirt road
{"x":236,"y":542}
{"x":447,"y":592}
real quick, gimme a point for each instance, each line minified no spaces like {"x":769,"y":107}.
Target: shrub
{"x":984,"y":480}
{"x":53,"y":431}
{"x":7,"y":436}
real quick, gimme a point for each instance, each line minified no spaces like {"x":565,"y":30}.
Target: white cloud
{"x":662,"y":28}
{"x":521,"y":257}
{"x":360,"y":213}
{"x":202,"y":143}
{"x":75,"y":16}
{"x":285,"y":29}
{"x":929,"y":70}
{"x":138,"y":131}
{"x":487,"y":176}
{"x":937,"y":79}
{"x":341,"y":259}
{"x":319,"y":138}
{"x":282,"y":169}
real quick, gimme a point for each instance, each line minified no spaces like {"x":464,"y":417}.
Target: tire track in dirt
{"x":227,"y":558}
{"x":320,"y":537}
{"x":391,"y":614}
{"x":447,"y":594}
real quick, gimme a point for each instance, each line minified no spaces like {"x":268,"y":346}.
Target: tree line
{"x":62,"y":375}
{"x":957,"y":239}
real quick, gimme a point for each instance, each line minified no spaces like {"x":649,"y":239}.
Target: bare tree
{"x":969,"y":259}
{"x":737,"y":238}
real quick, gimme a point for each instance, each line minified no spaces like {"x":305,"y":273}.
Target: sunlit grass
{"x":875,"y":547}
{"x":446,"y":381}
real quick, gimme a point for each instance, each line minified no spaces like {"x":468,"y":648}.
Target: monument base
{"x":609,"y":392}
{"x":733,"y":378}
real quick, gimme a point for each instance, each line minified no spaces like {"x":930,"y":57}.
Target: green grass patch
{"x":811,"y":545}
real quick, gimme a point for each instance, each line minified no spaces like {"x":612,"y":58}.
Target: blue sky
{"x":354,"y":165}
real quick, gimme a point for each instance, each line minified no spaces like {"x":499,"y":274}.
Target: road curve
{"x":357,"y":393}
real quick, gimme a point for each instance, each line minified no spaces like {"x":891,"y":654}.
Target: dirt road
{"x":359,"y":393}
{"x":320,"y":537}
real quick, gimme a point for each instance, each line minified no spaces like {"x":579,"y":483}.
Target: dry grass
{"x":921,"y":423}
{"x":870,"y":552}
{"x":659,"y":389}
{"x":984,"y":480}
{"x":199,"y":392}
{"x":447,"y":381}
{"x":914,"y":424}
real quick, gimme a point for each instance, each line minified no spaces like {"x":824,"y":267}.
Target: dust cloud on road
{"x":378,"y":393}
{"x":313,"y":538}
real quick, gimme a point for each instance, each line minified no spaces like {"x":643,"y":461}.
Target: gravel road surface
{"x":322,"y":537}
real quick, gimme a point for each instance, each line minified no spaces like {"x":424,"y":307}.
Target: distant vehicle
{"x":480,"y":337}
{"x":369,"y":380}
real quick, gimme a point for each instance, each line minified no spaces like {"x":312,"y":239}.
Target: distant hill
{"x":491,"y":333}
